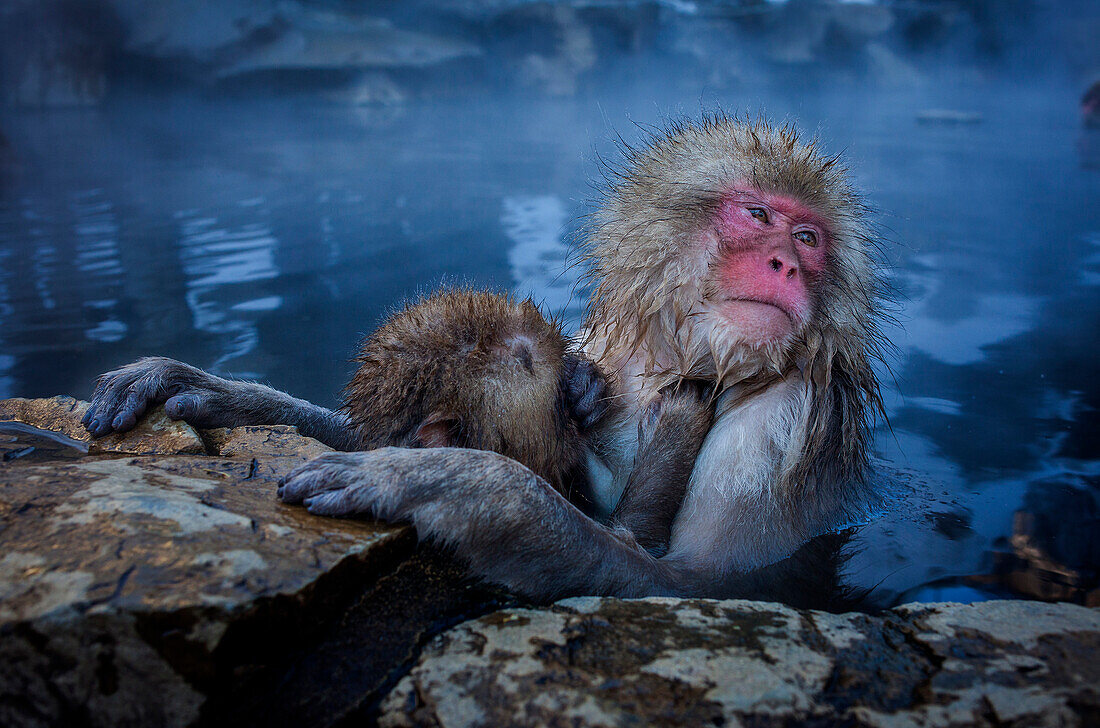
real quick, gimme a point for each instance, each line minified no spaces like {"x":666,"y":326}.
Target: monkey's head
{"x":471,"y":369}
{"x":732,"y":251}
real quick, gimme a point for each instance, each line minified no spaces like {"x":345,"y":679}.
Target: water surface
{"x":262,"y":237}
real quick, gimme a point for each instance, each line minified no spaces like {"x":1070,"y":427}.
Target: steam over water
{"x":260,"y":234}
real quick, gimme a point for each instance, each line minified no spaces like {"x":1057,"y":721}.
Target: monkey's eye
{"x":807,"y":237}
{"x":759,"y":213}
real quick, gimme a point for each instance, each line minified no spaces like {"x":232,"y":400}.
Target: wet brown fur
{"x":482,"y":367}
{"x":649,"y":290}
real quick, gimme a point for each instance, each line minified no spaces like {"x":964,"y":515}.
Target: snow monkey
{"x":460,"y":368}
{"x":725,"y":252}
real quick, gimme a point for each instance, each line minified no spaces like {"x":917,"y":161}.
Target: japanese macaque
{"x":462,"y":369}
{"x":478,"y":370}
{"x":459,"y":368}
{"x":727,"y":253}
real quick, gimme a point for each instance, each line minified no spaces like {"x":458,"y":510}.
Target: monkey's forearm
{"x":653,"y":495}
{"x":122,"y":396}
{"x":658,"y":482}
{"x":509,"y":524}
{"x":248,"y":403}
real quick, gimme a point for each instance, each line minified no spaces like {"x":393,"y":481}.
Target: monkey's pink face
{"x":768,"y":252}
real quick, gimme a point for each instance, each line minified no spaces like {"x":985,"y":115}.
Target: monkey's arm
{"x":122,"y":396}
{"x":671,"y":431}
{"x":509,"y":524}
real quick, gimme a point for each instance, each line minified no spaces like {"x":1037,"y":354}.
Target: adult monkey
{"x":724,"y":251}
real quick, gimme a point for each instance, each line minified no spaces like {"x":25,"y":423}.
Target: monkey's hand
{"x":122,"y":396}
{"x":203,"y":400}
{"x":392,"y":483}
{"x":584,"y":387}
{"x":684,"y":410}
{"x":505,"y":521}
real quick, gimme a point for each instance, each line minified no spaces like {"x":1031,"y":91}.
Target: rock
{"x":177,"y":590}
{"x":53,"y":53}
{"x":172,"y":588}
{"x":191,"y":30}
{"x":266,"y":440}
{"x":375,"y":46}
{"x":589,"y":662}
{"x":1053,"y":547}
{"x":156,"y":434}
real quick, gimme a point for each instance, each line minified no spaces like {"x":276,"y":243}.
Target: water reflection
{"x":988,"y":318}
{"x":220,"y":264}
{"x":97,"y":259}
{"x":540,"y":259}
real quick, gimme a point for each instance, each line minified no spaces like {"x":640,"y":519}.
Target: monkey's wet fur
{"x":734,"y":321}
{"x":474,"y":369}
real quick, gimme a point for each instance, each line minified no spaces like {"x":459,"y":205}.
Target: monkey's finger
{"x":354,"y":500}
{"x":90,"y":414}
{"x":305,"y":481}
{"x":137,"y":401}
{"x":294,"y":488}
{"x":108,"y":405}
{"x":86,"y":420}
{"x":93,"y":427}
{"x":100,"y":397}
{"x":592,"y":406}
{"x":325,"y":504}
{"x":194,"y":408}
{"x":182,"y":406}
{"x":104,"y":412}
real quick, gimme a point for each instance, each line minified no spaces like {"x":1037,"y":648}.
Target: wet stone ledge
{"x":667,"y":662}
{"x":155,"y":579}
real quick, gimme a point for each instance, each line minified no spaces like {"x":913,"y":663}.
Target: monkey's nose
{"x":781,"y":266}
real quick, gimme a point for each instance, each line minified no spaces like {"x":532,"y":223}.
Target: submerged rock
{"x":602,"y":662}
{"x":175,"y":589}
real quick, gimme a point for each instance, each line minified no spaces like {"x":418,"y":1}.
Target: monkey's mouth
{"x":757,"y":321}
{"x":759,"y":302}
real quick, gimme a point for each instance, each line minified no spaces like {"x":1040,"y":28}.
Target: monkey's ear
{"x":438,"y":430}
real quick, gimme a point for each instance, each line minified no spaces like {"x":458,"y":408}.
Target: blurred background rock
{"x":56,"y":53}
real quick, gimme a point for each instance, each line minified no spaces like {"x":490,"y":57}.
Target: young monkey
{"x":478,"y":370}
{"x":458,"y":369}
